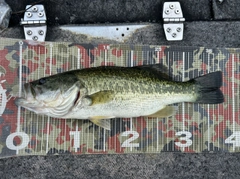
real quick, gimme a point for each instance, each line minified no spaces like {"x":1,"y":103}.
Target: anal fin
{"x":101,"y":121}
{"x":165,"y":112}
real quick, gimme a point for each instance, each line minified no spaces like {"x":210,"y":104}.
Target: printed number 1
{"x":76,"y":139}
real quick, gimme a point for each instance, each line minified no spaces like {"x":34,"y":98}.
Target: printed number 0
{"x":234,"y":139}
{"x":187,"y":137}
{"x":128,"y":143}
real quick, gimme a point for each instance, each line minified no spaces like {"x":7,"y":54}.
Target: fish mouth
{"x":30,"y":102}
{"x":28,"y":98}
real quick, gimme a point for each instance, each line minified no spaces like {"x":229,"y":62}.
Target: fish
{"x":105,"y":92}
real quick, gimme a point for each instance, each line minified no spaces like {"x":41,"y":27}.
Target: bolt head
{"x":169,"y":29}
{"x":171,"y":6}
{"x":174,"y":35}
{"x":40,"y":14}
{"x":34,"y":8}
{"x":179,"y":29}
{"x":40,"y":32}
{"x":177,"y":11}
{"x":35,"y":38}
{"x":29,"y":14}
{"x":29,"y":32}
{"x":167,"y":11}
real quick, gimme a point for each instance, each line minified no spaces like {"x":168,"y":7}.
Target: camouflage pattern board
{"x":195,"y":128}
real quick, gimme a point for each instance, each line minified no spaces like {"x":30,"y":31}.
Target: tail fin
{"x":209,"y":88}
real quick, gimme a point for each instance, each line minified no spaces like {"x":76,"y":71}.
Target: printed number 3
{"x":186,"y":138}
{"x":127,"y":143}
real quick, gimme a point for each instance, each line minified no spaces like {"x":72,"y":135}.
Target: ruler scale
{"x":195,"y":128}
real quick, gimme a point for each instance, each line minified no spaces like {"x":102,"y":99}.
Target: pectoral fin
{"x":101,"y":121}
{"x":101,"y":97}
{"x":165,"y":112}
{"x":87,"y":101}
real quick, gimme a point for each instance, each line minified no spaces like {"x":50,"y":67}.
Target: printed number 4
{"x":234,"y":139}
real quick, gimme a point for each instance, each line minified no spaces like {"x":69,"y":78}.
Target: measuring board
{"x":195,"y":128}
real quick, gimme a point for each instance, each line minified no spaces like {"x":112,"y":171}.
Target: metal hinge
{"x":5,"y":14}
{"x":173,"y":21}
{"x":34,"y":23}
{"x":118,"y":32}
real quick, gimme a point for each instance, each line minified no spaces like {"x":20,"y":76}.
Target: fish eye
{"x":42,"y":81}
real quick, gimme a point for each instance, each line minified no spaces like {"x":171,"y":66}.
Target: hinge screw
{"x":29,"y":32}
{"x":169,"y":30}
{"x":171,"y":6}
{"x":34,"y":8}
{"x":40,"y":32}
{"x":35,"y":38}
{"x":167,"y":11}
{"x":29,"y":14}
{"x":177,"y":11}
{"x":40,"y":14}
{"x":179,"y":29}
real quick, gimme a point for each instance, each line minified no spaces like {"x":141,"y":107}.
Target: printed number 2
{"x":186,"y":138}
{"x":234,"y":139}
{"x":127,"y":143}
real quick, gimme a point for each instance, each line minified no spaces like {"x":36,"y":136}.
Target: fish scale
{"x":194,"y":128}
{"x":130,"y":80}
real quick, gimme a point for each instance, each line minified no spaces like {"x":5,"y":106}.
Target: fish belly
{"x":140,"y":106}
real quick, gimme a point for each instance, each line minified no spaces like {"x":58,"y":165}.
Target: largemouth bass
{"x":102,"y":93}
